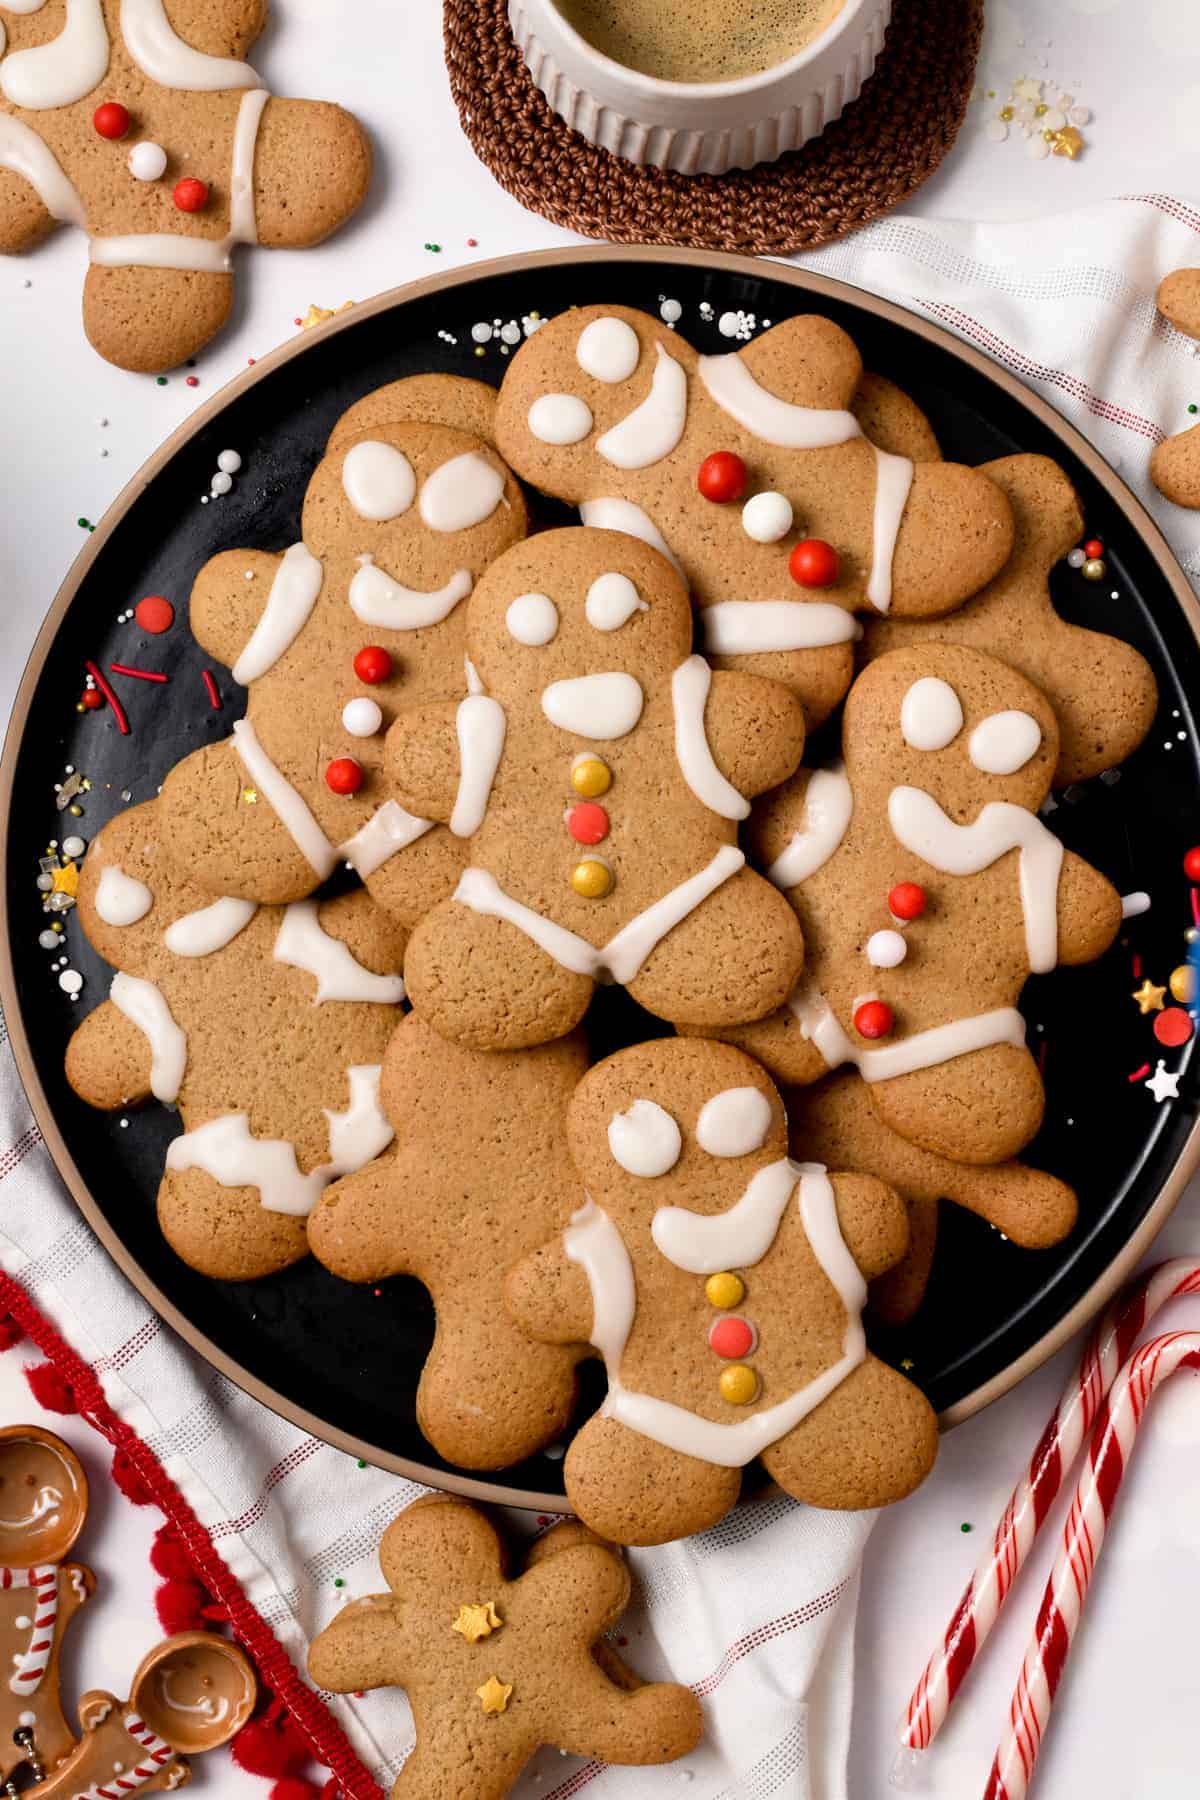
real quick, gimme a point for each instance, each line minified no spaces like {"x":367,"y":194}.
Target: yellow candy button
{"x":590,"y":777}
{"x":1183,"y":984}
{"x":592,"y":879}
{"x":725,"y":1290}
{"x":738,"y":1384}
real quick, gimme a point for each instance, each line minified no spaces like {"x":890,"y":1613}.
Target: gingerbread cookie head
{"x":43,"y":1497}
{"x":158,"y":139}
{"x":265,"y":1026}
{"x":1179,"y":301}
{"x":600,"y":772}
{"x":195,"y":1691}
{"x":751,"y":470}
{"x":366,"y":615}
{"x":724,"y":1285}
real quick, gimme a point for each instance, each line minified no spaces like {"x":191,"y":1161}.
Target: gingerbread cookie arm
{"x":980,"y":1108}
{"x":108,"y":1060}
{"x":1089,"y":912}
{"x":240,"y":591}
{"x":25,"y":219}
{"x":225,"y":30}
{"x":1179,"y":301}
{"x":755,"y":730}
{"x":897,"y":1295}
{"x":1175,"y":468}
{"x":364,"y":1647}
{"x":956,"y":533}
{"x":872,"y":1220}
{"x":892,"y":421}
{"x":873,"y":1440}
{"x":654,"y":1723}
{"x":549,"y":1298}
{"x":248,"y":853}
{"x":423,"y":759}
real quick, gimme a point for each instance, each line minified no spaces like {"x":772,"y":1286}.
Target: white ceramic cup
{"x":700,"y":128}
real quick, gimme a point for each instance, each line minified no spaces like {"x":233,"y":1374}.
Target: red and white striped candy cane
{"x":157,"y":1752}
{"x":1112,"y":1339}
{"x":1087,"y":1523}
{"x":33,"y":1662}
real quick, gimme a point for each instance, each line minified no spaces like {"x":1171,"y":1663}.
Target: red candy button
{"x":906,"y":900}
{"x":1173,"y":1026}
{"x":154,"y":614}
{"x":111,"y":120}
{"x":91,"y":698}
{"x":722,"y":477}
{"x":814,"y":563}
{"x":190,"y":195}
{"x":344,"y":775}
{"x":1093,"y":549}
{"x":588,"y":823}
{"x":732,"y":1337}
{"x":372,"y":664}
{"x":1191,"y":864}
{"x":874,"y":1019}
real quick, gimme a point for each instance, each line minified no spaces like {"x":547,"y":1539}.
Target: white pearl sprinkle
{"x":70,"y":981}
{"x":221,"y":483}
{"x":229,"y":462}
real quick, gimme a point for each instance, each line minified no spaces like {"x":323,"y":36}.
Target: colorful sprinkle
{"x":138,"y":674}
{"x":154,"y":614}
{"x":210,"y":688}
{"x":1173,"y":1027}
{"x":102,"y":683}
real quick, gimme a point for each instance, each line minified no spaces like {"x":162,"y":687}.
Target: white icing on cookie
{"x":560,"y":419}
{"x":931,"y":714}
{"x":481,"y":726}
{"x":22,"y":151}
{"x":919,"y":823}
{"x":461,"y":493}
{"x":612,"y":514}
{"x":689,"y":697}
{"x":600,"y":707}
{"x":612,"y":601}
{"x":210,"y":928}
{"x":704,"y":1243}
{"x":893,"y":483}
{"x":302,"y":942}
{"x":653,"y":429}
{"x":743,"y":627}
{"x":532,"y":619}
{"x":921,"y":1050}
{"x":378,"y":600}
{"x":608,"y":350}
{"x":293,"y":594}
{"x":644,"y":1139}
{"x":389,"y":830}
{"x":144,"y":1006}
{"x":120,"y":899}
{"x":64,"y":70}
{"x":156,"y":49}
{"x":290,"y":807}
{"x":1004,"y":743}
{"x":734,"y":1123}
{"x":378,"y":480}
{"x":828,"y":809}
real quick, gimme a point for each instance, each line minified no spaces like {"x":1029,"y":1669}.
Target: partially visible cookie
{"x":1179,"y":301}
{"x":453,"y":400}
{"x":1175,"y":468}
{"x":495,"y":1666}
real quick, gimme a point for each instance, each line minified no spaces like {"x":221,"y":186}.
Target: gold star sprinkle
{"x":1068,"y":142}
{"x":494,"y":1695}
{"x":1149,"y":998}
{"x":317,"y":315}
{"x":65,"y":880}
{"x":907,"y":1363}
{"x":250,"y":796}
{"x":475,"y":1622}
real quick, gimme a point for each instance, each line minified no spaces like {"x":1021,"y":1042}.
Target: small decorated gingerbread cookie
{"x":266,"y":1026}
{"x":495,"y":1666}
{"x":479,"y":1178}
{"x":1102,"y":691}
{"x":752,"y":471}
{"x":189,"y":1695}
{"x":836,"y":1123}
{"x":601,"y":770}
{"x":154,"y":135}
{"x":929,"y":890}
{"x":43,"y":1505}
{"x":366,"y":614}
{"x":723,"y":1285}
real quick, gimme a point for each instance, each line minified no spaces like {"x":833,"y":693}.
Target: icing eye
{"x":378,"y":481}
{"x":612,"y":601}
{"x":931,"y":715}
{"x":463,"y":492}
{"x":735,"y":1122}
{"x":608,"y":349}
{"x":532,"y":619}
{"x":1004,"y":743}
{"x":560,"y":419}
{"x":644,"y":1139}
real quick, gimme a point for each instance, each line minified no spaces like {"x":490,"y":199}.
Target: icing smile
{"x":378,"y":600}
{"x":48,"y":1499}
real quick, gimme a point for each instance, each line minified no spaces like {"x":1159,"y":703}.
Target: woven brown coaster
{"x":879,"y":152}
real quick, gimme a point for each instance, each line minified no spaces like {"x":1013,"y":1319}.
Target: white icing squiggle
{"x":481,"y":727}
{"x":64,"y":70}
{"x":144,"y":1006}
{"x":921,"y":1050}
{"x":613,"y":514}
{"x":704,"y":1243}
{"x":385,"y":834}
{"x":156,"y":49}
{"x":689,"y":697}
{"x":378,"y":600}
{"x":120,"y":899}
{"x":209,"y":928}
{"x":302,"y":942}
{"x":653,"y":429}
{"x":744,"y":627}
{"x":292,"y":596}
{"x":828,"y":809}
{"x":22,"y":151}
{"x":288,"y":806}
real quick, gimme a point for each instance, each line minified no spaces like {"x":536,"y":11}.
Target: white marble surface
{"x":1126,"y":1713}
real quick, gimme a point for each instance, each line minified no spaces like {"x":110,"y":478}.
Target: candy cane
{"x":1107,"y":1349}
{"x":32,"y":1663}
{"x":1087,"y":1522}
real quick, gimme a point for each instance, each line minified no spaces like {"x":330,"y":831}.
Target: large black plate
{"x":345,"y":1364}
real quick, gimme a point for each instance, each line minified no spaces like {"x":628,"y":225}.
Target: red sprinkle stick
{"x":1140,"y":1074}
{"x":102,"y":683}
{"x":1196,"y":905}
{"x":214,"y":698}
{"x":138,"y":674}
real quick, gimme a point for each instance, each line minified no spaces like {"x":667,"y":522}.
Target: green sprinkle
{"x":361,"y":1463}
{"x":338,"y":1582}
{"x":435,"y":248}
{"x":965,"y":1528}
{"x":1193,"y":407}
{"x":161,"y":381}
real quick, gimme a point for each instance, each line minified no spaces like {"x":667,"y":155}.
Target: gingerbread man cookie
{"x":836,"y":1123}
{"x":43,"y":1505}
{"x":929,"y":890}
{"x":603,"y":770}
{"x":189,"y":1695}
{"x":495,"y":1667}
{"x":723,"y":1285}
{"x":479,"y":1178}
{"x":151,"y":132}
{"x":363,"y":616}
{"x":1103,"y":692}
{"x":753,"y":472}
{"x":1175,"y":464}
{"x":266,"y":1026}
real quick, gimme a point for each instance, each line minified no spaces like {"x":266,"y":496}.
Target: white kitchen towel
{"x":757,"y":1615}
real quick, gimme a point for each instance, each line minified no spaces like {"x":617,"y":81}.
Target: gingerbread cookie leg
{"x":25,"y":219}
{"x":1175,"y":468}
{"x":897,"y":1295}
{"x":248,"y":853}
{"x":731,"y":958}
{"x":483,"y":982}
{"x":108,"y":1060}
{"x":628,"y":1488}
{"x":242,"y":1240}
{"x":981,"y":1108}
{"x":872,"y":1441}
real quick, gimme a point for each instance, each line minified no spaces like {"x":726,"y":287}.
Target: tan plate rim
{"x":714,"y":261}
